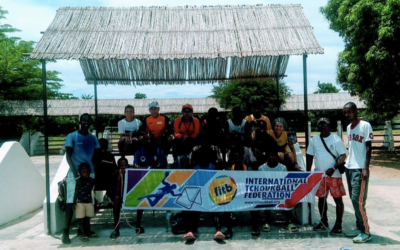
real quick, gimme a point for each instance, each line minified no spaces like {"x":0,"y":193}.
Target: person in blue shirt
{"x":150,"y":155}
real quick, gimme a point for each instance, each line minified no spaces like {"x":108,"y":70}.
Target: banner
{"x":213,"y":191}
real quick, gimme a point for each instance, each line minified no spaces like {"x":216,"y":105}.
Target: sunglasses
{"x":186,"y":111}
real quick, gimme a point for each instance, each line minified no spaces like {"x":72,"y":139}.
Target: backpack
{"x":176,"y":223}
{"x":62,"y":194}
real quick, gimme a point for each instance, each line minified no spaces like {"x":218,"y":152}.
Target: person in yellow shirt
{"x":258,"y":116}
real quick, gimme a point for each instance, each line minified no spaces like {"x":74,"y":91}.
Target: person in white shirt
{"x":128,"y":129}
{"x":332,"y":181}
{"x":359,"y":137}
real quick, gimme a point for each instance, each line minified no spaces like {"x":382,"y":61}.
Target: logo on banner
{"x":222,"y":190}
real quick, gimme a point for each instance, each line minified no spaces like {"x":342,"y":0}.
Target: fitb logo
{"x":222,"y":190}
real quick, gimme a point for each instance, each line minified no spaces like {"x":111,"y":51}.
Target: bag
{"x":341,"y":167}
{"x":62,"y":194}
{"x":176,"y":223}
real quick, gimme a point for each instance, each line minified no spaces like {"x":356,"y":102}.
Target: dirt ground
{"x":385,"y":164}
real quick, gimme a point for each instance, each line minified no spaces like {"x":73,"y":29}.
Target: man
{"x":332,"y":181}
{"x":256,"y":116}
{"x":359,"y":136}
{"x":128,"y":129}
{"x":80,"y":146}
{"x":159,"y":125}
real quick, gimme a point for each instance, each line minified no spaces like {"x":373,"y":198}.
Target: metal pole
{"x":46,"y":146}
{"x":95,"y":97}
{"x":277,"y":83}
{"x":305,"y":98}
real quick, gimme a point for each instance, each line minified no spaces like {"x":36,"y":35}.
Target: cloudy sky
{"x":33,"y":16}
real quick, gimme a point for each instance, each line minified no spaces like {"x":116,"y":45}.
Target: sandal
{"x":189,"y":236}
{"x":114,"y":235}
{"x":219,"y":236}
{"x":266,"y":228}
{"x":292,"y":228}
{"x":84,"y":238}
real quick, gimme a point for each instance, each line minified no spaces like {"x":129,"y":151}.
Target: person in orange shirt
{"x":159,"y":125}
{"x":186,"y":131}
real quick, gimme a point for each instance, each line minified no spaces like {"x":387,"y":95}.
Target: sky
{"x":34,"y":16}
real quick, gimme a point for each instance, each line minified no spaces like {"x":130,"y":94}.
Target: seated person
{"x":236,"y":141}
{"x":128,"y":129}
{"x":186,"y":132}
{"x":150,"y":155}
{"x":287,"y":153}
{"x":207,"y":153}
{"x":261,"y":142}
{"x":213,"y":128}
{"x":159,"y":125}
{"x":258,"y":116}
{"x":272,"y":164}
{"x":117,"y":198}
{"x":234,"y":126}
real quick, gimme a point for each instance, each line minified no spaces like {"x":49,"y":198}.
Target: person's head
{"x":323,"y":125}
{"x":154,"y":109}
{"x":212,"y":113}
{"x":123,"y":163}
{"x":262,"y":126}
{"x":129,"y":112}
{"x":350,"y":111}
{"x":148,"y":140}
{"x":103,"y":144}
{"x":272,"y":158}
{"x":187,"y":111}
{"x":237,"y":114}
{"x":84,"y":170}
{"x":257,"y":109}
{"x":237,"y":154}
{"x":279,"y":125}
{"x":85,"y":120}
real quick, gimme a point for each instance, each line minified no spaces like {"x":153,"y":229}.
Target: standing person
{"x":159,"y":125}
{"x":186,"y":131}
{"x":80,"y":147}
{"x":128,"y":131}
{"x":332,"y":181}
{"x":359,"y":136}
{"x":258,"y":116}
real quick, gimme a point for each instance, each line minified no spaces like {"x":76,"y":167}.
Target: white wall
{"x":22,"y":187}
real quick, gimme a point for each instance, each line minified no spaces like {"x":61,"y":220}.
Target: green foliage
{"x":86,"y":97}
{"x":140,"y":96}
{"x":369,"y":65}
{"x":245,"y":93}
{"x":326,"y":88}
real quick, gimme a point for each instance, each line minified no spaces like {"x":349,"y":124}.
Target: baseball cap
{"x":153,"y":105}
{"x":323,"y":119}
{"x":187,"y":106}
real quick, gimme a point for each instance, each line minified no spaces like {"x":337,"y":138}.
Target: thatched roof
{"x":200,"y":105}
{"x":142,"y":45}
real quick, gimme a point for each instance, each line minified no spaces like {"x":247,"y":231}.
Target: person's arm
{"x":310,"y":159}
{"x":365,"y":171}
{"x":70,"y":163}
{"x":177,"y":134}
{"x":196,"y":131}
{"x":168,"y":130}
{"x":268,"y":123}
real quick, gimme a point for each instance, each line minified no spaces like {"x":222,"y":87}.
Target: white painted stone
{"x":22,"y":187}
{"x":25,"y":142}
{"x":35,"y":142}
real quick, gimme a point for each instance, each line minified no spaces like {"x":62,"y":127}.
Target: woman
{"x":287,"y":153}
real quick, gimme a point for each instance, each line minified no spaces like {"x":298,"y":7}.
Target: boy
{"x":84,"y":203}
{"x":128,"y":132}
{"x":272,"y":164}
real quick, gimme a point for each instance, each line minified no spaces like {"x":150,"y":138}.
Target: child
{"x":84,"y":203}
{"x":272,"y":164}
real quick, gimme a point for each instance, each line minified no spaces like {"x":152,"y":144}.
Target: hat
{"x":153,"y":105}
{"x":323,"y":119}
{"x":187,"y":106}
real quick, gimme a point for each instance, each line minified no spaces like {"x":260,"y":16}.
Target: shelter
{"x":175,"y":45}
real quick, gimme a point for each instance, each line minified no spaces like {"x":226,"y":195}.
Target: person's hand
{"x":365,"y":174}
{"x":185,"y":137}
{"x":329,"y":172}
{"x":297,"y":167}
{"x":136,"y":166}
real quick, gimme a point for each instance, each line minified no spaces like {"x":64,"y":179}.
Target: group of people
{"x":238,"y":144}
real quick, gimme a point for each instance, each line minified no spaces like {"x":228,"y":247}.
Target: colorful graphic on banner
{"x":206,"y":190}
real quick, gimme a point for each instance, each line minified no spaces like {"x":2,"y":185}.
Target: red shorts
{"x":332,"y":184}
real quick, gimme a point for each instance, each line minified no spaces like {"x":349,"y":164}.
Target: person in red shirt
{"x":186,"y":131}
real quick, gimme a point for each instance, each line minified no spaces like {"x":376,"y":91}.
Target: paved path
{"x":382,"y":207}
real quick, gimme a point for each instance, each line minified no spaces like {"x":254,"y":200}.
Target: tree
{"x":86,"y":97}
{"x":21,"y":78}
{"x":245,"y":93}
{"x":326,"y":88}
{"x":369,"y":65}
{"x":140,"y":96}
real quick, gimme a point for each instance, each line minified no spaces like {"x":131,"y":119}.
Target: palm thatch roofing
{"x":173,"y":45}
{"x":169,"y":106}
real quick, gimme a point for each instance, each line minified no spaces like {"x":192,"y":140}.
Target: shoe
{"x":362,"y":237}
{"x":114,"y":235}
{"x":255,"y":232}
{"x":321,"y":227}
{"x":84,"y":238}
{"x":266,"y":228}
{"x":189,"y":236}
{"x":352,"y":233}
{"x":139,"y":230}
{"x":336,"y":230}
{"x":228,"y":234}
{"x":219,"y":236}
{"x":292,"y":228}
{"x":65,"y":237}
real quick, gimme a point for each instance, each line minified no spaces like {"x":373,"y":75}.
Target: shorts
{"x":84,"y":210}
{"x":71,"y":185}
{"x":332,"y":184}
